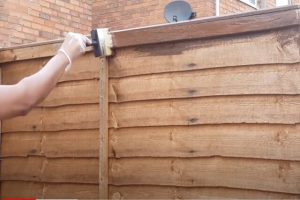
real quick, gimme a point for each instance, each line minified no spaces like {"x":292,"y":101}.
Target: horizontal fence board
{"x":66,"y":170}
{"x":86,"y":67}
{"x":77,"y":92}
{"x":203,"y":28}
{"x":74,"y":143}
{"x":267,"y":79}
{"x":37,"y":51}
{"x":281,"y":142}
{"x":55,"y":119}
{"x":15,"y":71}
{"x":22,"y":189}
{"x":212,"y":110}
{"x":156,"y":192}
{"x":266,"y":175}
{"x":274,"y":47}
{"x":199,"y":28}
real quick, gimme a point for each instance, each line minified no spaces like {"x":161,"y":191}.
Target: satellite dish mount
{"x":178,"y":11}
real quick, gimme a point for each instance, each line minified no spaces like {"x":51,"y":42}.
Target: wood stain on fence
{"x":202,"y":109}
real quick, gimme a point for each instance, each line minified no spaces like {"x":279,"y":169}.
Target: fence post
{"x":103,"y":130}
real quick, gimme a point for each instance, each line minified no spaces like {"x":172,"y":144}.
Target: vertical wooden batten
{"x":0,"y":138}
{"x":103,"y":130}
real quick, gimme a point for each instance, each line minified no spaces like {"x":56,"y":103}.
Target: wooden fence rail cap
{"x":200,"y":28}
{"x":260,"y":20}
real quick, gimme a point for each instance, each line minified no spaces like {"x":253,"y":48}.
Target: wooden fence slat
{"x":213,"y":110}
{"x":279,"y":142}
{"x":39,"y":169}
{"x":78,"y":92}
{"x":46,"y":119}
{"x":201,"y":28}
{"x":22,"y":189}
{"x":265,"y":175}
{"x":274,"y":79}
{"x":274,"y":47}
{"x":206,"y":28}
{"x":103,"y":130}
{"x":237,"y":81}
{"x":84,"y":68}
{"x":154,"y":192}
{"x":31,"y":52}
{"x":73,"y":143}
{"x":0,"y":135}
{"x":194,"y":141}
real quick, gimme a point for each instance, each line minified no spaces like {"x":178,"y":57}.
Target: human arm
{"x":20,"y":98}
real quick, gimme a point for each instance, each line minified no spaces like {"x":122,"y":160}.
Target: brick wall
{"x":234,"y":6}
{"x":25,"y":21}
{"x":120,"y":14}
{"x":295,"y":2}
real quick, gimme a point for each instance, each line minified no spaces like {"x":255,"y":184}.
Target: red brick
{"x":51,"y":18}
{"x":24,"y":21}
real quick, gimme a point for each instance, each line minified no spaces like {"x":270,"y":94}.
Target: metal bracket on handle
{"x":102,"y":42}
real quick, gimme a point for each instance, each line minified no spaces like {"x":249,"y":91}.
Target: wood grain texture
{"x":266,"y":79}
{"x":26,"y":53}
{"x":72,"y":144}
{"x":272,"y":47}
{"x":206,"y":28}
{"x":279,"y":142}
{"x":265,"y":175}
{"x":79,"y":117}
{"x":0,"y":132}
{"x":84,"y":68}
{"x":103,"y":130}
{"x":202,"y":28}
{"x":211,"y":110}
{"x":155,"y":192}
{"x":39,"y":169}
{"x":72,"y":93}
{"x":23,"y":189}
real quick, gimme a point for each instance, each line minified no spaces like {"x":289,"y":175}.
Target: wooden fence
{"x":202,"y":109}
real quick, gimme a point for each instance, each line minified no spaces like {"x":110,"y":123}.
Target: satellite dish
{"x":178,"y":10}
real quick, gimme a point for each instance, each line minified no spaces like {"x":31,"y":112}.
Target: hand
{"x":73,"y":46}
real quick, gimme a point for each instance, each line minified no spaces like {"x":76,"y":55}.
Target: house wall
{"x":29,"y":21}
{"x":118,"y":14}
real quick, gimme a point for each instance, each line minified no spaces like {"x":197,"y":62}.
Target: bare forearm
{"x":20,"y":98}
{"x":39,"y":85}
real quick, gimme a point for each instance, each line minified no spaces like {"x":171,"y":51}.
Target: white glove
{"x":73,"y":46}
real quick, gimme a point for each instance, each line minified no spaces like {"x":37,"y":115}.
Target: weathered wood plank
{"x":22,"y":189}
{"x":30,"y":52}
{"x":0,"y":132}
{"x":77,"y":92}
{"x":103,"y":130}
{"x":268,"y":79}
{"x":265,"y":175}
{"x":210,"y":110}
{"x":273,"y":47}
{"x":73,"y":143}
{"x":281,"y":142}
{"x":204,"y":28}
{"x":56,"y":119}
{"x":156,"y":192}
{"x":67,"y":170}
{"x":84,"y":68}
